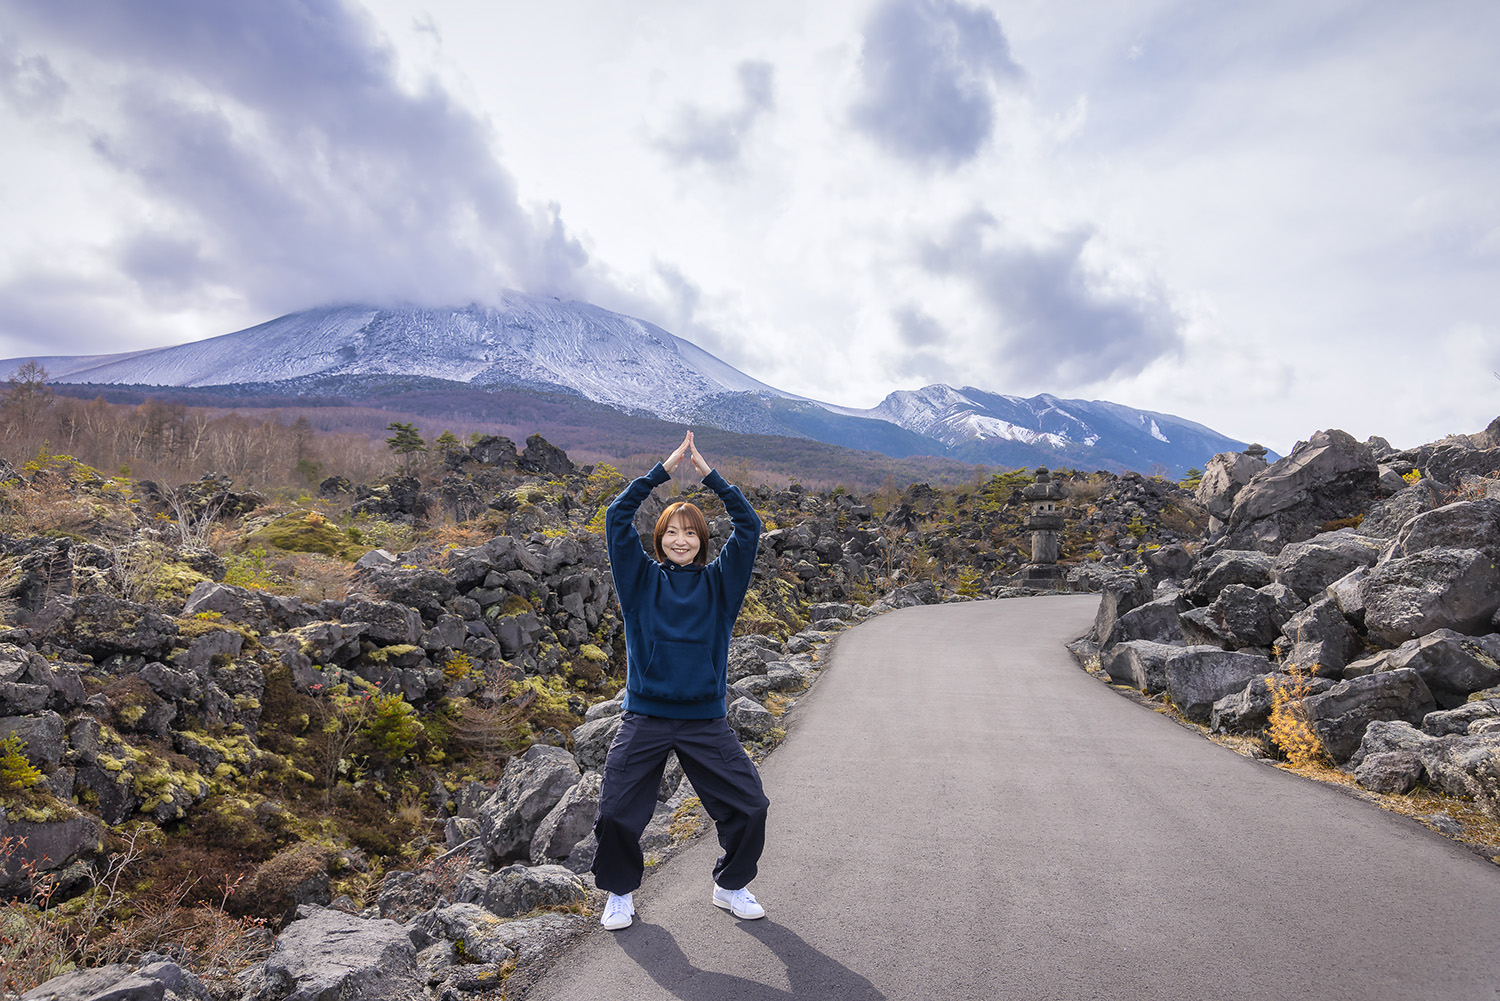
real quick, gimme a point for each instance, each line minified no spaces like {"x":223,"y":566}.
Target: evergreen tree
{"x":405,"y":442}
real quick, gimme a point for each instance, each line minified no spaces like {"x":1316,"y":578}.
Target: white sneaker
{"x":618,"y":912}
{"x":741,"y":903}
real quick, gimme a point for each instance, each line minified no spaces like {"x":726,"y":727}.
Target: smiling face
{"x":682,"y":535}
{"x":680,"y":542}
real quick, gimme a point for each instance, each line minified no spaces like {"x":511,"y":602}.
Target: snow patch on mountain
{"x":528,"y":341}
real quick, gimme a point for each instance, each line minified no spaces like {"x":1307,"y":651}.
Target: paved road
{"x":960,"y":813}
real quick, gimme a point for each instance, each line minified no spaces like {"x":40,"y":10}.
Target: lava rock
{"x":1340,"y":715}
{"x":531,"y":786}
{"x":1309,"y":567}
{"x":1432,"y":589}
{"x":1198,"y":677}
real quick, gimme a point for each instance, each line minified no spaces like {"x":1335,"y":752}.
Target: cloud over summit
{"x":274,"y":149}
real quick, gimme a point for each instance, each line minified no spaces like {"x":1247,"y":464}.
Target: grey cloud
{"x":1055,"y":320}
{"x":918,"y":329}
{"x":929,"y":72}
{"x":717,"y":138}
{"x":29,"y":83}
{"x":291,"y":164}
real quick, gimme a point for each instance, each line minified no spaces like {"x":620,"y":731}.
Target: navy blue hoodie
{"x":678,"y":618}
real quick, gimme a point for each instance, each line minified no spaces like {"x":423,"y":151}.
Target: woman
{"x":678,"y":617}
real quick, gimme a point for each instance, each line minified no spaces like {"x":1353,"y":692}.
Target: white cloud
{"x":1261,"y":217}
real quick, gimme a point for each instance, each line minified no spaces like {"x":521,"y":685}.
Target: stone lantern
{"x":1045,"y":521}
{"x":1256,"y":451}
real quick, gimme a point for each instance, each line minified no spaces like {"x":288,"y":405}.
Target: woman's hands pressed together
{"x":687,"y":450}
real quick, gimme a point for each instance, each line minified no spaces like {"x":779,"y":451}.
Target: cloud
{"x":1060,"y":314}
{"x":28,"y":83}
{"x":276,"y":152}
{"x":930,"y":70}
{"x":717,"y":138}
{"x":917,"y":329}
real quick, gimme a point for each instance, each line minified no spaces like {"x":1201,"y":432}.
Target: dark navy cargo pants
{"x":722,"y":776}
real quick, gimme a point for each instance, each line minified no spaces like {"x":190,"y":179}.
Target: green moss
{"x":308,"y":533}
{"x":195,"y":626}
{"x":590,"y":652}
{"x":175,"y":581}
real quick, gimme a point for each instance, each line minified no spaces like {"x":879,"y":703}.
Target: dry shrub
{"x":40,"y":939}
{"x":492,"y":726}
{"x":1290,"y":729}
{"x":466,"y":534}
{"x":311,"y":576}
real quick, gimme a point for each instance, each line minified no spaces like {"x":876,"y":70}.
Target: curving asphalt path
{"x":960,"y":813}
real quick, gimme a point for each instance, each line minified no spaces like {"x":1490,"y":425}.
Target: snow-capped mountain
{"x":549,"y":345}
{"x":525,"y":341}
{"x":976,"y":424}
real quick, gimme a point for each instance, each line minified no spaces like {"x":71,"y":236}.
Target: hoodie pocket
{"x":680,"y":672}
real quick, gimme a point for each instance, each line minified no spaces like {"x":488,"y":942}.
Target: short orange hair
{"x":694,"y":519}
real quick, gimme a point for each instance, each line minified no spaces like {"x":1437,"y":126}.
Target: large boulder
{"x":1240,"y":616}
{"x":545,"y":459}
{"x":260,"y":610}
{"x":1217,"y":571}
{"x":29,"y":682}
{"x":1319,"y":639}
{"x":428,"y":591}
{"x":1141,"y":664}
{"x":385,"y":622}
{"x":531,"y":786}
{"x":1223,"y":478}
{"x":1387,"y":517}
{"x":1155,"y":620}
{"x":1429,"y":590}
{"x":1453,"y":665}
{"x":102,"y":626}
{"x":750,"y":720}
{"x":1119,"y":593}
{"x":1309,"y":567}
{"x":1471,"y":524}
{"x":1446,"y":722}
{"x":517,"y":889}
{"x":479,"y":930}
{"x":592,"y":739}
{"x":1197,"y":677}
{"x":330,"y":954}
{"x":1172,"y":562}
{"x":1348,"y":593}
{"x":1328,"y":477}
{"x":1340,"y":715}
{"x":1394,"y":773}
{"x":44,"y":847}
{"x":494,"y":450}
{"x":569,"y":822}
{"x":154,"y":980}
{"x":1466,"y":766}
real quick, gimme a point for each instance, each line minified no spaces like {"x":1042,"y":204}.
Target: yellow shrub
{"x":1290,"y":729}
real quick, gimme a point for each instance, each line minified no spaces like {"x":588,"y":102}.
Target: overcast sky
{"x":1270,"y":218}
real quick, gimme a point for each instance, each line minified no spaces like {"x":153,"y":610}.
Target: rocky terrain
{"x":1343,"y":610}
{"x":368,"y":725}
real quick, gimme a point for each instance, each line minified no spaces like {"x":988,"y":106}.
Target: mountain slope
{"x":527,"y":342}
{"x":547,"y":345}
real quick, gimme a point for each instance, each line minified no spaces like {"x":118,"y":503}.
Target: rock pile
{"x":1364,"y":580}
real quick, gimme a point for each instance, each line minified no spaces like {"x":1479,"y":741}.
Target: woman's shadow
{"x":813,"y":976}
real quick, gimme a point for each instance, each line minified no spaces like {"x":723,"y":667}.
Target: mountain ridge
{"x":554,"y":346}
